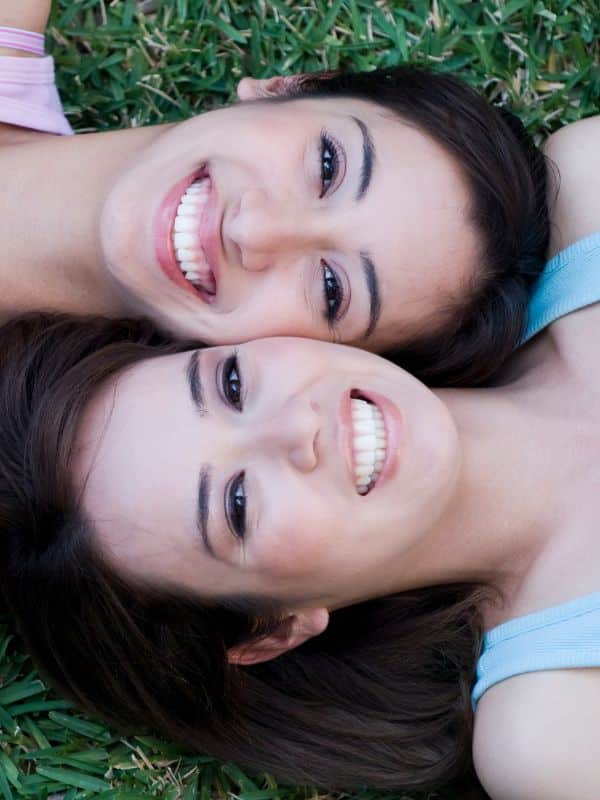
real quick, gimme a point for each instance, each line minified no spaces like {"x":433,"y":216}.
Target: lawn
{"x":126,"y":63}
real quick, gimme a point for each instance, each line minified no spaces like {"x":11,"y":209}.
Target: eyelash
{"x":332,"y":283}
{"x":235,"y":505}
{"x":327,"y":144}
{"x":232,"y":388}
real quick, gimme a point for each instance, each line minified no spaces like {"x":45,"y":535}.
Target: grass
{"x":126,"y":63}
{"x":120,"y":67}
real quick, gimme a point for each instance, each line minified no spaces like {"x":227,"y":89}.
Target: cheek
{"x":273,"y":135}
{"x":118,"y":239}
{"x":297,"y":547}
{"x":249,"y":142}
{"x":259,"y":316}
{"x":256,"y":315}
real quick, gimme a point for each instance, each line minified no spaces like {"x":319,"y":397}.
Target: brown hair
{"x":381,"y":698}
{"x":507,"y":176}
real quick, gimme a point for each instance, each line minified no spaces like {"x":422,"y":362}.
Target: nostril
{"x":235,"y":209}
{"x":239,"y":256}
{"x":315,"y":448}
{"x":230,"y":233}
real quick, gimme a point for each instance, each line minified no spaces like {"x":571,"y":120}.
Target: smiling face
{"x":326,"y":218}
{"x":244,"y":471}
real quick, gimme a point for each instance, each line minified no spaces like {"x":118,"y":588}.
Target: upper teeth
{"x":186,"y":239}
{"x":368,"y":443}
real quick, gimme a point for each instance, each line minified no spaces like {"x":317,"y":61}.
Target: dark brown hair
{"x":507,"y":177}
{"x":381,"y":698}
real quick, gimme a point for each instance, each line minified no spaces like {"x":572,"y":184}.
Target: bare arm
{"x":575,"y":211}
{"x":536,"y":737}
{"x":31,"y":15}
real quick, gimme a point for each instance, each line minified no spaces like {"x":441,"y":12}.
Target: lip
{"x":163,"y":243}
{"x":393,"y":421}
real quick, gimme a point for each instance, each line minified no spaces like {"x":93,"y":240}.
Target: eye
{"x":329,"y":162}
{"x":333,"y":292}
{"x":235,"y":505}
{"x":231,"y":383}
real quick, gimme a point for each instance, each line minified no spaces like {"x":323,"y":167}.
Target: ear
{"x":291,"y":632}
{"x":260,"y":88}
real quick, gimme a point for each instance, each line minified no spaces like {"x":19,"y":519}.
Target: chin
{"x":122,"y":237}
{"x":438,"y":461}
{"x":445,"y":468}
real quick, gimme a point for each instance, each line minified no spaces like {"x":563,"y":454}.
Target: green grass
{"x":123,"y":63}
{"x":120,"y":67}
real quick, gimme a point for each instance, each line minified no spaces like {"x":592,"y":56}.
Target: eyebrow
{"x":192,"y":372}
{"x":369,"y":271}
{"x":373,"y":289}
{"x":203,"y":494}
{"x":368,"y":158}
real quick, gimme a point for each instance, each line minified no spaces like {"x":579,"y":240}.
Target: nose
{"x":263,"y":229}
{"x":292,"y":434}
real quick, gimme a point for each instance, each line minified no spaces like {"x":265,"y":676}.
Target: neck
{"x":54,"y":189}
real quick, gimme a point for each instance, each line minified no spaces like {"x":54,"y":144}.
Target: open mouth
{"x":185,"y":236}
{"x":369,"y":442}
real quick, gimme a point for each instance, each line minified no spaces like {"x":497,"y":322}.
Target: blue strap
{"x":570,"y":281}
{"x":560,"y":637}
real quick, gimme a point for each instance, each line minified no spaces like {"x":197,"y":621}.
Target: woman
{"x":285,"y":553}
{"x":394,"y":210}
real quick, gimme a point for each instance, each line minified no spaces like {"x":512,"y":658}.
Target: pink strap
{"x":18,"y":39}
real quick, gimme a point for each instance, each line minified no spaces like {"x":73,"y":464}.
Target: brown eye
{"x":329,"y":163}
{"x":333,"y":293}
{"x":231,"y":383}
{"x":235,"y":505}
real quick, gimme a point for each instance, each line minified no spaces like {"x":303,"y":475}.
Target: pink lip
{"x":163,"y":242}
{"x":392,"y":419}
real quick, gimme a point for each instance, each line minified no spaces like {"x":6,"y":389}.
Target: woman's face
{"x":324,"y":218}
{"x":281,"y":467}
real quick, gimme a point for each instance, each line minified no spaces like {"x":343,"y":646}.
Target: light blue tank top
{"x":560,"y":637}
{"x":568,"y":635}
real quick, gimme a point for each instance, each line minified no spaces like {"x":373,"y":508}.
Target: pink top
{"x":19,"y":39}
{"x":28,"y":94}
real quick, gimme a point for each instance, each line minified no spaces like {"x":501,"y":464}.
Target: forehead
{"x":414,"y":221}
{"x":136,"y":460}
{"x":422,"y":237}
{"x":147,"y":397}
{"x":136,"y":465}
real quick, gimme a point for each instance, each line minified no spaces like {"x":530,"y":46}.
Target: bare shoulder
{"x":575,"y":209}
{"x":32,"y":15}
{"x":536,"y":737}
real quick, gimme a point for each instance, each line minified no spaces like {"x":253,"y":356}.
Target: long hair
{"x":507,"y":177}
{"x":381,"y":698}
